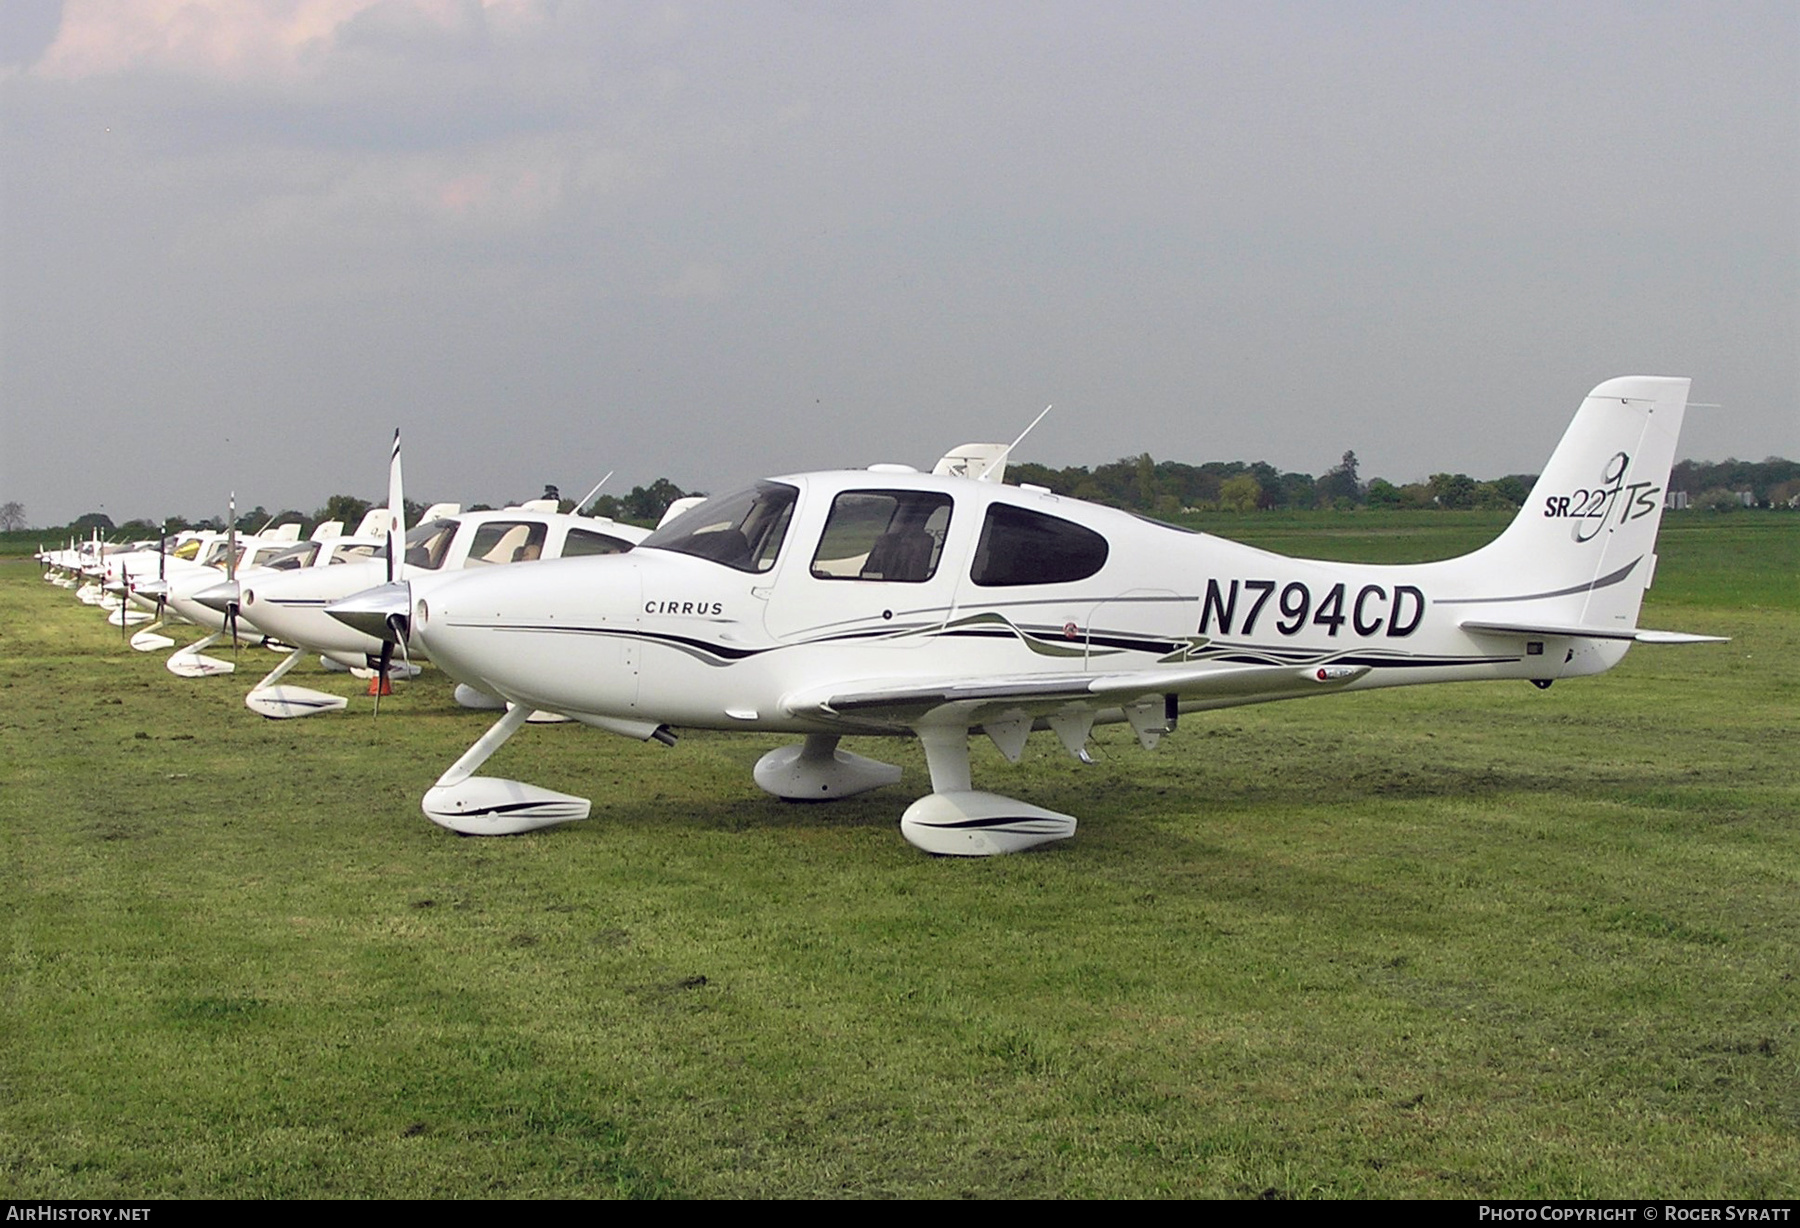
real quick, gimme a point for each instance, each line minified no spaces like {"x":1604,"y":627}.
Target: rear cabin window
{"x":585,"y":541}
{"x":893,"y":535}
{"x":1024,"y":547}
{"x":507,"y":541}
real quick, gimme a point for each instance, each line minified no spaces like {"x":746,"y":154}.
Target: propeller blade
{"x":396,"y":534}
{"x":379,"y":684}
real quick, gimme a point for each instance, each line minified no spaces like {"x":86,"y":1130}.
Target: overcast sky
{"x":245,"y":239}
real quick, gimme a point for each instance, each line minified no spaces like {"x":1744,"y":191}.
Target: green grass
{"x":1464,"y":941}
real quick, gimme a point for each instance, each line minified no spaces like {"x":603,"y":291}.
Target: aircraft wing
{"x":907,"y":701}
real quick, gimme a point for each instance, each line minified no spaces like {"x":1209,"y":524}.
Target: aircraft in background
{"x":291,"y":608}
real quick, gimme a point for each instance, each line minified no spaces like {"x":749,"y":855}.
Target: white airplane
{"x":888,"y":602}
{"x":291,"y":608}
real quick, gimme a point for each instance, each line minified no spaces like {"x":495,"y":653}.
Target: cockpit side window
{"x":582,"y":542}
{"x":743,"y":530}
{"x":894,"y":535}
{"x":507,"y":541}
{"x":1020,"y":547}
{"x":427,"y":544}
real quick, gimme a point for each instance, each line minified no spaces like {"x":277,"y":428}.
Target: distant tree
{"x":348,"y":510}
{"x":253,"y":520}
{"x":1086,"y":489}
{"x":1268,"y":483}
{"x":1382,"y":493}
{"x":1190,"y":485}
{"x":1145,"y":483}
{"x":1455,"y":491}
{"x":1489,"y":497}
{"x":649,"y":503}
{"x":1417,"y":495}
{"x":89,"y":521}
{"x":1340,"y":482}
{"x":1240,"y":493}
{"x":1515,"y":488}
{"x":12,"y":516}
{"x":1029,"y":473}
{"x":1718,"y":499}
{"x":1298,"y":490}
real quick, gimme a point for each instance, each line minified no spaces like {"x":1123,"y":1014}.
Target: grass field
{"x":1463,"y":941}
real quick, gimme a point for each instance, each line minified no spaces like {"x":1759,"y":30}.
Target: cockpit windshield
{"x":427,"y":544}
{"x":743,"y":530}
{"x":292,"y":558}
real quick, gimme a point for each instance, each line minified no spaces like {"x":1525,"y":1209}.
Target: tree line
{"x":1139,"y":483}
{"x":1164,"y":488}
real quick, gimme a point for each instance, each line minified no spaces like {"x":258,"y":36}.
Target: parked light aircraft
{"x":888,"y":602}
{"x":291,"y":608}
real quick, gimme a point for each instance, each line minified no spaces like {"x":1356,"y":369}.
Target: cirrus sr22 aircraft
{"x":890,"y":602}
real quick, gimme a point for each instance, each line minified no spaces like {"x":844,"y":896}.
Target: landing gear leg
{"x":487,"y":806}
{"x":957,"y":820}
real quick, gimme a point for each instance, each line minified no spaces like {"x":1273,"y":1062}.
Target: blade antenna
{"x":590,"y":494}
{"x":1021,"y":439}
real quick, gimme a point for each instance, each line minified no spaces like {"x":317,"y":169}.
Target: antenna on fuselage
{"x":590,"y":494}
{"x":1021,"y":439}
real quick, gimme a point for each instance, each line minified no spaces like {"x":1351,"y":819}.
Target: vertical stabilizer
{"x":1582,"y":550}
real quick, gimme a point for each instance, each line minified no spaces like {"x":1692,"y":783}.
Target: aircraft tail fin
{"x":984,"y":462}
{"x":1582,"y":549}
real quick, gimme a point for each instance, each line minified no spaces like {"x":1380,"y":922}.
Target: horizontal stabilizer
{"x":1637,"y":634}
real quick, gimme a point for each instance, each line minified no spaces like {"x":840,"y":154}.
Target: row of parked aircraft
{"x":891,"y":602}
